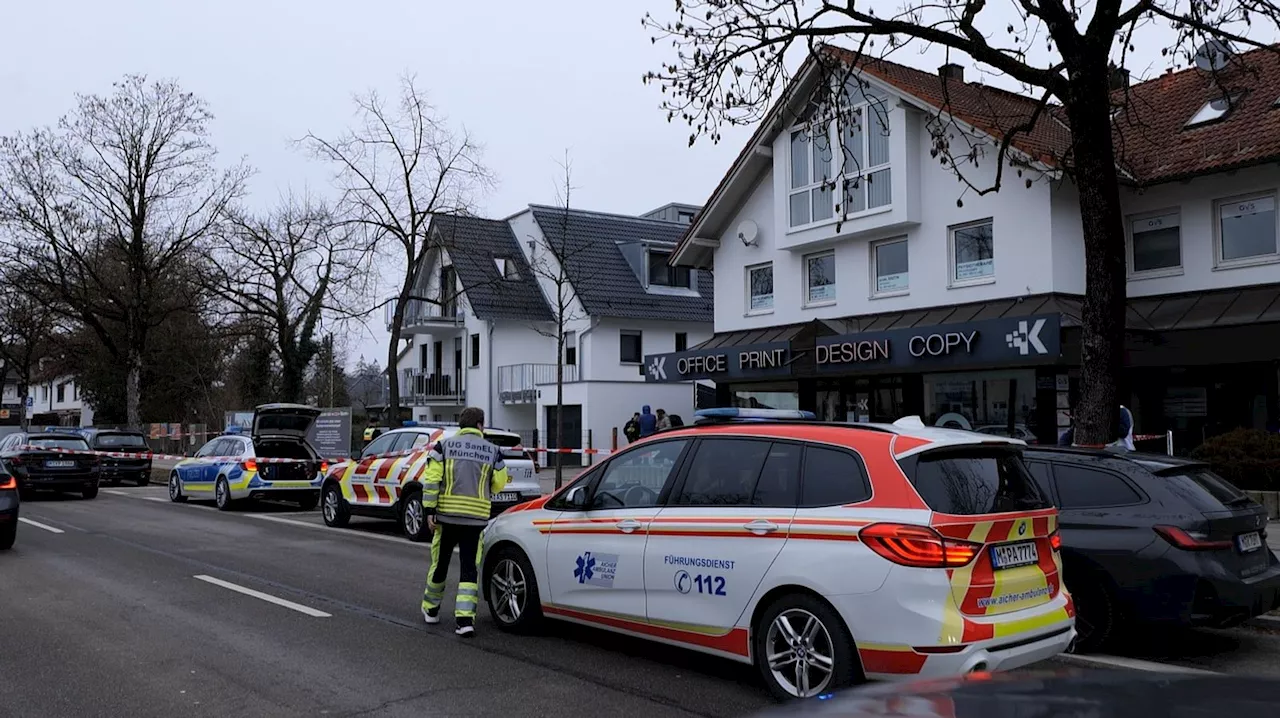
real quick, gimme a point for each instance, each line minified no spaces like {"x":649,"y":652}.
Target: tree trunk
{"x":24,"y":417}
{"x":393,"y":367}
{"x":291,"y":377}
{"x":133,"y":387}
{"x":560,"y":403}
{"x":1096,"y":416}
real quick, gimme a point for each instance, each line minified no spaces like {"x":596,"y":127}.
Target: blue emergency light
{"x":408,"y":423}
{"x":232,"y":429}
{"x":747,"y":413}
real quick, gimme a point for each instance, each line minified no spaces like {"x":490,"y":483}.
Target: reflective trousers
{"x":468,"y":540}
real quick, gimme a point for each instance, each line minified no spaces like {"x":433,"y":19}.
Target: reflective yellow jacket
{"x":463,"y":473}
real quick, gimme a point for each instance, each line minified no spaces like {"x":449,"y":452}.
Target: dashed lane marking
{"x":39,"y":525}
{"x":1130,"y":663}
{"x":331,"y":531}
{"x":264,"y":596}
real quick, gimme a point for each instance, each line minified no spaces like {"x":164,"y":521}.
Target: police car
{"x":386,"y":481}
{"x":230,"y":467}
{"x":822,"y":553}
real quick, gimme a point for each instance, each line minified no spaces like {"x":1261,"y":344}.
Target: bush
{"x":1248,"y":458}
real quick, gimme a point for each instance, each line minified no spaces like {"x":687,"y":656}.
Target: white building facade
{"x":873,"y":285}
{"x":491,"y":341}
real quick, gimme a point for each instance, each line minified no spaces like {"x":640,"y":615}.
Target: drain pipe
{"x":490,"y":368}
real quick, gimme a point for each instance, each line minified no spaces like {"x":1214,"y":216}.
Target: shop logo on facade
{"x":1024,"y":339}
{"x":754,"y":360}
{"x":658,"y":368}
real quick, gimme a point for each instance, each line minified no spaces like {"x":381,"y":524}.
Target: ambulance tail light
{"x":1055,"y":541}
{"x":917,"y":546}
{"x":249,"y":465}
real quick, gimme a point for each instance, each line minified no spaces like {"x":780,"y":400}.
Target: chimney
{"x":951,"y":71}
{"x":1118,"y":79}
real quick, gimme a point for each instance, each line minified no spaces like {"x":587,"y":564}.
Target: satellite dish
{"x":748,"y":232}
{"x":1213,"y":55}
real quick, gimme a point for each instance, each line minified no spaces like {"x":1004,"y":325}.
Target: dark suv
{"x":1154,"y":538}
{"x":135,"y":467}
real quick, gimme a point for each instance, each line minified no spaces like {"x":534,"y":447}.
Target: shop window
{"x":820,"y":278}
{"x":630,"y":347}
{"x":782,"y":395}
{"x":889,"y":268}
{"x":972,"y":254}
{"x":1155,"y":243}
{"x":1247,"y":230}
{"x":981,"y":400}
{"x":760,"y":288}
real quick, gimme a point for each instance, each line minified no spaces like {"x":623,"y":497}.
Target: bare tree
{"x":105,"y":207}
{"x":291,"y":271}
{"x":731,"y":65}
{"x":399,"y":165}
{"x":27,"y":325}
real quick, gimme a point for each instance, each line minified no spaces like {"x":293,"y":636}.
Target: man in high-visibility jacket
{"x":464,"y":471}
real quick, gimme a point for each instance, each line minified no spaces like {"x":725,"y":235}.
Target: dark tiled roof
{"x":603,"y":280}
{"x":473,"y":244}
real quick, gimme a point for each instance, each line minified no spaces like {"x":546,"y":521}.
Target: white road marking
{"x":114,"y":492}
{"x":39,"y":525}
{"x":264,"y":597}
{"x":334,"y":532}
{"x":1130,"y":663}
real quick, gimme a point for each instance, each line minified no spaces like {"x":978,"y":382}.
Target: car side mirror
{"x":576,"y":498}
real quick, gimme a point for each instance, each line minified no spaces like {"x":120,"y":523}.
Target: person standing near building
{"x":648,"y":422}
{"x":631,"y":429}
{"x":463,"y":473}
{"x":663,"y":422}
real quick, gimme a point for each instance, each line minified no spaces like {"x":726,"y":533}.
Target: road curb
{"x":1266,"y":621}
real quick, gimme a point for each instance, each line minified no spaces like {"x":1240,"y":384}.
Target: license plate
{"x":507,"y":497}
{"x":59,"y":464}
{"x":1251,"y":541}
{"x":1011,"y":555}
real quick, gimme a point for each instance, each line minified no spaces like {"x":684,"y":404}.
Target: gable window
{"x":760,"y":288}
{"x":630,"y":348}
{"x":507,"y":268}
{"x":972,"y":253}
{"x":571,"y":348}
{"x":864,"y":140}
{"x":685,"y":216}
{"x":809,"y":198}
{"x":475,"y":350}
{"x":682,"y":341}
{"x":889,"y":274}
{"x":1155,"y":243}
{"x":1246,"y":229}
{"x":820,"y":278}
{"x":662,"y":274}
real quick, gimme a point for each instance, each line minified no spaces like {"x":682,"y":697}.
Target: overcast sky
{"x":529,"y":79}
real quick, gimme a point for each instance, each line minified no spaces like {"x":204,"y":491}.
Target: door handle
{"x":628,"y":525}
{"x":760,"y":527}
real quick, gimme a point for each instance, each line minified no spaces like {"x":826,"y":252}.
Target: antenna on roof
{"x":1213,"y":55}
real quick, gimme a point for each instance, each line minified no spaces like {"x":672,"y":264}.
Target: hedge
{"x":1248,"y":458}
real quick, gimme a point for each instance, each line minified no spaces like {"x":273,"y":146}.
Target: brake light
{"x":1189,"y":540}
{"x":249,"y":465}
{"x":324,"y":467}
{"x":10,"y":483}
{"x":1055,"y":541}
{"x":918,"y":546}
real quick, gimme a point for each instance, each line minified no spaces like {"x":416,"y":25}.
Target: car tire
{"x":413,"y":519}
{"x":804,"y":627}
{"x":1096,"y":614}
{"x":144,"y":478}
{"x":89,"y":492}
{"x":334,"y":508}
{"x":175,"y":489}
{"x":310,"y":502}
{"x":8,"y":534}
{"x":222,"y":494}
{"x":511,"y":590}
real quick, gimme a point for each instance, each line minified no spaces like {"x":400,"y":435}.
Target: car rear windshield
{"x":58,"y":442}
{"x":1203,"y":489}
{"x":110,"y":441}
{"x":503,"y":440}
{"x":975,"y":481}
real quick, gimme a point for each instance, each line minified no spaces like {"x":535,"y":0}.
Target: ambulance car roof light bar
{"x":749,"y":414}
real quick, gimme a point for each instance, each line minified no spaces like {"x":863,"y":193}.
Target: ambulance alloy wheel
{"x":413,"y":519}
{"x":333,"y":508}
{"x":511,"y":589}
{"x":175,"y":489}
{"x":222,"y":494}
{"x":803,"y":649}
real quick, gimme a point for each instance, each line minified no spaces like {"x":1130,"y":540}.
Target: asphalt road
{"x":132,"y":609}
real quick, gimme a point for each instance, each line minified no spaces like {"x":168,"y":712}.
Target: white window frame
{"x":804,"y":267}
{"x":875,"y":292}
{"x":814,"y":185}
{"x":952,"y":282}
{"x":1218,"y":261}
{"x":1129,"y":246}
{"x":635,"y":333}
{"x":860,"y":174}
{"x":772,"y":297}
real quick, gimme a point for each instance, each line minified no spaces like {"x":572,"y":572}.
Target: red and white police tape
{"x":266,"y":459}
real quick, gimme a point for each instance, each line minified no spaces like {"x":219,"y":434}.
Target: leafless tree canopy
{"x":732,"y":60}
{"x":291,"y":270}
{"x":399,"y":164}
{"x":103,"y":210}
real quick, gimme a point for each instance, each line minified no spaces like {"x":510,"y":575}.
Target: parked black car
{"x":114,"y":468}
{"x":30,"y":460}
{"x":9,"y":503}
{"x":1155,"y":539}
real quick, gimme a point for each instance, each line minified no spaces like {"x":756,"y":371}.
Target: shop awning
{"x":1066,"y":306}
{"x":784,"y":333}
{"x":1201,"y":310}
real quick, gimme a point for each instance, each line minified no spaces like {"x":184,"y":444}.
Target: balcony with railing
{"x":424,"y":317}
{"x":419,"y":387}
{"x":518,"y":383}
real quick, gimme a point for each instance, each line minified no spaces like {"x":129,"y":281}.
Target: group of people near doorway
{"x":644,"y":423}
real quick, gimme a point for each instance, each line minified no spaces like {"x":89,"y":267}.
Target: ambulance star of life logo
{"x":585,"y":568}
{"x":658,"y":368}
{"x":1024,"y":339}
